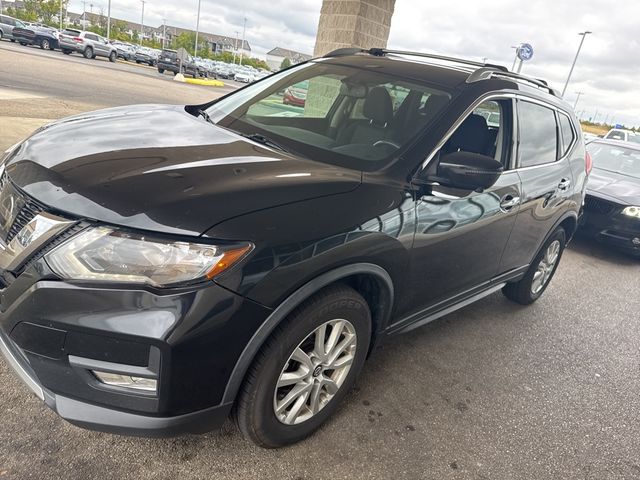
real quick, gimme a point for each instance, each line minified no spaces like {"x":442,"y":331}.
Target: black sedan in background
{"x":612,"y":204}
{"x":44,"y":37}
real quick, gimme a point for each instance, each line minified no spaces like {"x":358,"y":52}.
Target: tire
{"x":161,"y":70}
{"x":138,"y":62}
{"x":1,"y":34}
{"x":195,"y":74}
{"x":66,"y":52}
{"x":254,"y":411}
{"x":88,"y":53}
{"x":24,"y":44}
{"x":44,"y":44}
{"x":113,"y":56}
{"x":525,"y":291}
{"x":13,"y":40}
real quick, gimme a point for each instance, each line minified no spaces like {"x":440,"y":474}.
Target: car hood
{"x":156,"y":167}
{"x":621,"y":188}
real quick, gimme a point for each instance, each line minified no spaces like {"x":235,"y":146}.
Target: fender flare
{"x":288,"y":305}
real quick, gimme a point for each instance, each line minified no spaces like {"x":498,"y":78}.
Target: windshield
{"x":348,"y":116}
{"x":612,"y":158}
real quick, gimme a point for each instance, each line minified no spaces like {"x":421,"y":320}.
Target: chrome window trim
{"x":515,"y":127}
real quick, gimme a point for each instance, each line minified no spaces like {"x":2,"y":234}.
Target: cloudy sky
{"x":607,"y":72}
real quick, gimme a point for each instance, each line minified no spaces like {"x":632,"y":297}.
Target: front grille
{"x":598,"y":205}
{"x":26,"y":211}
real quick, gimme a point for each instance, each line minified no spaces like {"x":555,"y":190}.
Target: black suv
{"x":168,"y":60}
{"x":245,"y":255}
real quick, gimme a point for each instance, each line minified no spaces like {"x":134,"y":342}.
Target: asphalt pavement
{"x":493,"y":391}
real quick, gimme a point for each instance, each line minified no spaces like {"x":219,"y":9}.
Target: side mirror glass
{"x":469,"y":171}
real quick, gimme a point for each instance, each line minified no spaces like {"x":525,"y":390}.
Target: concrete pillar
{"x":353,"y":23}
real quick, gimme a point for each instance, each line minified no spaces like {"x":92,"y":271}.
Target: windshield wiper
{"x":257,"y":137}
{"x":205,"y":115}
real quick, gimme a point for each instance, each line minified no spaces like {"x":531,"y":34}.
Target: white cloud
{"x":607,"y":71}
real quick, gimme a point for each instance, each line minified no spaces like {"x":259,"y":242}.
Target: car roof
{"x":448,"y":75}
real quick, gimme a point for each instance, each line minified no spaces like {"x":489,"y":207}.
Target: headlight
{"x":108,"y":255}
{"x":632,"y":212}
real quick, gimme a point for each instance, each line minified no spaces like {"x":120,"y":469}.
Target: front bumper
{"x":53,"y":333}
{"x":613,"y":229}
{"x":103,"y":419}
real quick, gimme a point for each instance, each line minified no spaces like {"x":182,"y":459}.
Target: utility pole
{"x":109,"y":19}
{"x":142,"y":21}
{"x":584,"y":35}
{"x":84,"y":14}
{"x":235,"y":50}
{"x":579,"y":94}
{"x":244,"y":30}
{"x":195,"y":48}
{"x":61,"y":2}
{"x":164,"y":32}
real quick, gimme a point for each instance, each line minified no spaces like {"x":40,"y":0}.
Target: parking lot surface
{"x":493,"y":391}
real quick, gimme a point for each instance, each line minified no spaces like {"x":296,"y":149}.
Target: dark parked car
{"x":173,"y":264}
{"x":144,"y":55}
{"x":612,"y":205}
{"x":168,"y":60}
{"x":44,"y":37}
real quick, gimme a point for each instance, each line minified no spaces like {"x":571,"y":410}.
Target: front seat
{"x":378,"y":110}
{"x":471,"y":136}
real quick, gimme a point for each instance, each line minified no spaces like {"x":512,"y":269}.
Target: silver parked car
{"x":89,"y":44}
{"x":7,"y":24}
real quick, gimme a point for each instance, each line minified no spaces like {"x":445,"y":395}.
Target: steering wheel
{"x":385,"y":142}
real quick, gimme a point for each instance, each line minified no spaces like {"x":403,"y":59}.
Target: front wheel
{"x":540,"y":273}
{"x":305,"y":368}
{"x":113,"y":56}
{"x":161,"y":70}
{"x":44,"y":44}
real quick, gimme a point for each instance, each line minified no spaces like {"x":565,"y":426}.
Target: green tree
{"x":185,"y":40}
{"x":286,"y":63}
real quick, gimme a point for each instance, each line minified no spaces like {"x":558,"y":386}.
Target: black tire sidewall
{"x":266,"y":425}
{"x":527,"y":281}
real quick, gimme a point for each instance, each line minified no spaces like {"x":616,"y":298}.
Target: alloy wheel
{"x":315,"y":371}
{"x":546,"y":267}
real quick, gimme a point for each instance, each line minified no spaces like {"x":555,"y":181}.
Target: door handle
{"x":508,"y":202}
{"x":564,"y":184}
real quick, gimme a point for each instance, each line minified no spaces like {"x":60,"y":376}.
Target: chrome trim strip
{"x":33,"y":236}
{"x":14,"y":363}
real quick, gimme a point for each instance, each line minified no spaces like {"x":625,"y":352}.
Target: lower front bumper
{"x":621,"y":233}
{"x":104,"y":419}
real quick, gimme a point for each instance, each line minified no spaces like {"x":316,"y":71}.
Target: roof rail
{"x":487,"y":72}
{"x":381,"y":52}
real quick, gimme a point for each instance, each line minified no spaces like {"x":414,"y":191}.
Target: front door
{"x":461,"y":234}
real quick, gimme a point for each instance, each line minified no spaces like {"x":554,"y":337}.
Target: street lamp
{"x":579,"y":94}
{"x":195,"y":48}
{"x":142,"y":21}
{"x":244,"y":29}
{"x":584,"y":35}
{"x":109,"y":19}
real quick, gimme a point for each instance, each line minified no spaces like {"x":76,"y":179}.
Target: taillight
{"x":77,"y":39}
{"x":588,"y":163}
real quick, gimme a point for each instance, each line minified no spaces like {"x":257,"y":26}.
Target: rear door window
{"x":538,"y":134}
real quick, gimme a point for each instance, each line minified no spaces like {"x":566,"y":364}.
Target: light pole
{"x":195,"y":48}
{"x":142,"y":21}
{"x":244,"y":30}
{"x":109,"y":19}
{"x":584,"y":35}
{"x":235,"y":50}
{"x":515,"y":58}
{"x":61,"y":2}
{"x":84,"y":14}
{"x":164,"y":32}
{"x":579,"y":94}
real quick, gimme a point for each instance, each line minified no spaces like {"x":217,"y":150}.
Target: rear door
{"x":545,"y":172}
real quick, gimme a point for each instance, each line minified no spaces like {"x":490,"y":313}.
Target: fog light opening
{"x":149,"y":385}
{"x":636,"y":241}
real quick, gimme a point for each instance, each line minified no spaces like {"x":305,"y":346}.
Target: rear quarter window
{"x":568,"y":134}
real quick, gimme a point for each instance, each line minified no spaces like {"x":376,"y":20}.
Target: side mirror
{"x":469,"y":171}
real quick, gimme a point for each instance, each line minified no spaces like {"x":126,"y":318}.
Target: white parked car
{"x":244,"y":77}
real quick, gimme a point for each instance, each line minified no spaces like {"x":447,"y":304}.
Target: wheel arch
{"x":568,"y":221}
{"x":370,"y":280}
